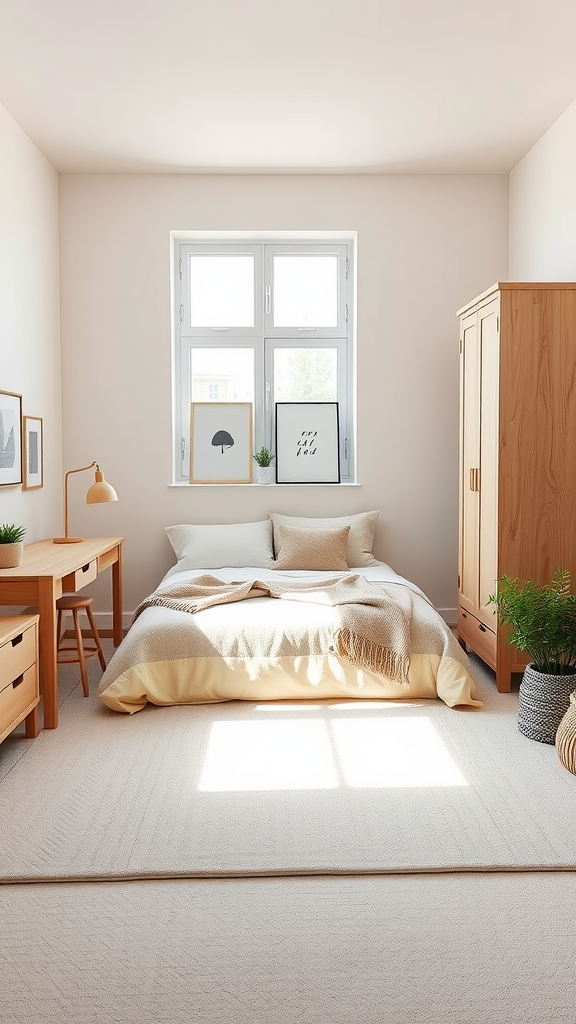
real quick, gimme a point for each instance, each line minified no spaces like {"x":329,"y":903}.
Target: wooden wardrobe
{"x":517,"y":501}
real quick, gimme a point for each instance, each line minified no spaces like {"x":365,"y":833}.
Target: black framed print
{"x":33,"y":450}
{"x":307,"y":443}
{"x":10,"y":439}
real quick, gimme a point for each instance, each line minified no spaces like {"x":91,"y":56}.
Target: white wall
{"x":426,"y":245}
{"x":543,"y":207}
{"x":29,"y":317}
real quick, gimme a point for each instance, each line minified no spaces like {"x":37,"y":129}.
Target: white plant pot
{"x":265,"y":474}
{"x":11,"y":555}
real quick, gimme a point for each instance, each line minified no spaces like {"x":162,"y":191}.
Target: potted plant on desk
{"x":11,"y":545}
{"x":264,"y":468}
{"x":544,"y":621}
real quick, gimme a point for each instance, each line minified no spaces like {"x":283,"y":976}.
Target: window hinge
{"x":346,"y":313}
{"x":497,"y":324}
{"x":180,"y":269}
{"x":346,"y":268}
{"x":181,"y":314}
{"x":460,"y":349}
{"x":458,"y":581}
{"x":182,"y":448}
{"x":345,"y":447}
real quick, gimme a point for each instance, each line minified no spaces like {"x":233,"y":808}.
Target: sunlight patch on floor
{"x":378,"y":753}
{"x":291,"y":754}
{"x":263,"y":755}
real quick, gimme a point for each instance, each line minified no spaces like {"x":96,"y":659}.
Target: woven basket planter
{"x":566,"y":737}
{"x":543,"y":702}
{"x":11,"y":555}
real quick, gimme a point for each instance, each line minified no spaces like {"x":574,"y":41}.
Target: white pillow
{"x":234,"y":544}
{"x":360,"y":539}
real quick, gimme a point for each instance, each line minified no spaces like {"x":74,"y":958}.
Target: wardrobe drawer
{"x":481,"y":639}
{"x":16,"y":655}
{"x":20,"y":694}
{"x":81,"y":577}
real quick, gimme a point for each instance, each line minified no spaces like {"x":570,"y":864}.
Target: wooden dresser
{"x":517,"y":453}
{"x":19,"y":690}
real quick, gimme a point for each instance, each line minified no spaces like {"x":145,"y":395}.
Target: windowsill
{"x":346,"y":483}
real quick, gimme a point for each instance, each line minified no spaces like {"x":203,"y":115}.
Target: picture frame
{"x":307,"y":443}
{"x":221,"y":442}
{"x":33,"y":453}
{"x":10,"y":439}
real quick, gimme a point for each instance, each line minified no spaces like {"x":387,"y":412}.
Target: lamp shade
{"x":100,"y":490}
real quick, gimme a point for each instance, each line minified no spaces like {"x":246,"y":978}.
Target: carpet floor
{"x":242,"y":789}
{"x":434,"y":948}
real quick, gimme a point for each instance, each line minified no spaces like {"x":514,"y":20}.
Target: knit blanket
{"x":372,"y":628}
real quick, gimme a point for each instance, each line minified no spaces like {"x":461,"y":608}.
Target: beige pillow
{"x":312,"y":549}
{"x":360,"y":539}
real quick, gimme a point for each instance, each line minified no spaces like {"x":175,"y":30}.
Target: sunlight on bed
{"x":293,"y":754}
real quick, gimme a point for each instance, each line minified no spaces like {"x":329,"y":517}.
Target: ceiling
{"x":232,"y":86}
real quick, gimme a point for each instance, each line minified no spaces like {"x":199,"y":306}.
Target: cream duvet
{"x":267,"y":648}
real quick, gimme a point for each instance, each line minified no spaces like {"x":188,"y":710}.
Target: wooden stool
{"x":74,"y":603}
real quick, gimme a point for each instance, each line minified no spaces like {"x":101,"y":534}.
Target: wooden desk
{"x":45,"y":572}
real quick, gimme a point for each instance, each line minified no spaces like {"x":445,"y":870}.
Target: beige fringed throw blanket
{"x":373,"y":629}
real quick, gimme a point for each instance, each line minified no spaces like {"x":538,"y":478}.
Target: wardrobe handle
{"x":471,"y":479}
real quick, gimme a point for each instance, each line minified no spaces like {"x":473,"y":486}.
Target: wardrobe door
{"x":489,"y":344}
{"x":469,"y":463}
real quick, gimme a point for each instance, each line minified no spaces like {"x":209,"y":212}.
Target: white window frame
{"x":263,"y":338}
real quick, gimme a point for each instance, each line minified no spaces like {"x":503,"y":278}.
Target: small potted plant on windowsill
{"x":11,"y":545}
{"x":544,"y":621}
{"x":264,"y":468}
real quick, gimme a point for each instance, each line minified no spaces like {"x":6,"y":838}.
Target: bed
{"x":280,"y":645}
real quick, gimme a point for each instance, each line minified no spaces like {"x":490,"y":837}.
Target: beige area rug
{"x":241,"y":789}
{"x":397,"y":949}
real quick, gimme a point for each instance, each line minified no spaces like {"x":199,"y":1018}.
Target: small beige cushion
{"x":320,"y":550}
{"x":360,"y":539}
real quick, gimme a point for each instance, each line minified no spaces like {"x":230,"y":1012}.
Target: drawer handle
{"x":18,"y":681}
{"x":86,"y":567}
{"x":17,"y":640}
{"x":464,"y":616}
{"x":481,"y":627}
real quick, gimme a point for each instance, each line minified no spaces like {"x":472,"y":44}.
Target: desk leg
{"x":117,"y":598}
{"x":47,"y":595}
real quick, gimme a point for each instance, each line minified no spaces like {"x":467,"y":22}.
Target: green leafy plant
{"x":11,"y":534}
{"x":264,"y":457}
{"x":544,"y":620}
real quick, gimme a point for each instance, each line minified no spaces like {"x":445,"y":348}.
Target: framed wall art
{"x":33,"y":450}
{"x":221,"y":442}
{"x":10,"y":439}
{"x":307,"y":443}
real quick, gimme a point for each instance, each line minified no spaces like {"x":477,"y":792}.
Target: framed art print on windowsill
{"x":221,"y":442}
{"x":307,"y":443}
{"x":10,"y":439}
{"x":33,"y":453}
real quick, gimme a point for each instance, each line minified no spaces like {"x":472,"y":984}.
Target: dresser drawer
{"x":19,"y":695}
{"x":17,"y":655}
{"x":81,"y":577}
{"x":481,"y":639}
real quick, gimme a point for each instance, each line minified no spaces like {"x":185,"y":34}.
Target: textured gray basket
{"x":543,"y":701}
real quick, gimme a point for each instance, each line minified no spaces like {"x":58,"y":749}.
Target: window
{"x":262,"y":322}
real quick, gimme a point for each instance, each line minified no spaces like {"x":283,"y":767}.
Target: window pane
{"x":305,"y":375}
{"x":305,"y":291}
{"x":222,"y":374}
{"x":221,"y":291}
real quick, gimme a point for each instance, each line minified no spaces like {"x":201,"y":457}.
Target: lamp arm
{"x":70,"y":471}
